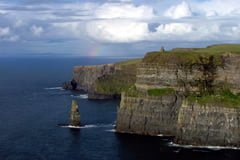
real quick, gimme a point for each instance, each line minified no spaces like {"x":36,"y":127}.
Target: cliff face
{"x":208,"y":125}
{"x":191,"y":94}
{"x":204,"y":77}
{"x":143,"y":115}
{"x":86,"y":76}
{"x":105,"y":81}
{"x":186,"y":78}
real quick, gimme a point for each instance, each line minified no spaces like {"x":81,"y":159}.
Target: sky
{"x":114,"y":27}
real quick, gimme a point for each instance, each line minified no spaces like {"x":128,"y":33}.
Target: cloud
{"x":126,"y":31}
{"x":18,"y":23}
{"x":119,"y":10}
{"x":37,"y":31}
{"x":4,"y":31}
{"x":69,"y":29}
{"x":117,"y":31}
{"x":217,"y":7}
{"x":120,"y":0}
{"x":117,"y":22}
{"x":175,"y":28}
{"x":2,"y":12}
{"x":181,"y":10}
{"x":236,"y":31}
{"x":7,"y":35}
{"x":13,"y":38}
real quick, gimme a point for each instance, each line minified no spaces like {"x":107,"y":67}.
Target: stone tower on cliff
{"x":74,"y":114}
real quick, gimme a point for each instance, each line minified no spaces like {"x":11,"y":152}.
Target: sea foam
{"x":54,"y":88}
{"x":203,"y":147}
{"x":81,"y":96}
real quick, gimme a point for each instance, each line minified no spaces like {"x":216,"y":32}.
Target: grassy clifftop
{"x":191,"y":55}
{"x":204,"y":60}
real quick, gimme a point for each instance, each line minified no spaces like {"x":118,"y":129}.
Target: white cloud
{"x":121,"y":21}
{"x":69,"y":29}
{"x":7,"y":35}
{"x":36,"y":30}
{"x":13,"y":38}
{"x":189,"y":32}
{"x":126,"y":31}
{"x":18,"y":23}
{"x":4,"y":31}
{"x":120,"y":10}
{"x":2,"y":11}
{"x":218,"y":7}
{"x":179,"y":11}
{"x":117,"y":31}
{"x":175,"y":28}
{"x":236,"y":31}
{"x":211,"y":13}
{"x":120,"y":0}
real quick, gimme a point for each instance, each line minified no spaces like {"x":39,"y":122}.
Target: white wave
{"x":206,"y":147}
{"x":81,"y":96}
{"x":78,"y":127}
{"x":88,"y":126}
{"x":54,"y":88}
{"x":111,"y":130}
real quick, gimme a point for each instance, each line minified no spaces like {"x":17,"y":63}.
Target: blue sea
{"x":32,"y":104}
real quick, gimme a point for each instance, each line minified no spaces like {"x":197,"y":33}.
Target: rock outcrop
{"x":74,"y":119}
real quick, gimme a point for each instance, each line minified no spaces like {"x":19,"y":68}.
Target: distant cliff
{"x":105,"y":81}
{"x":86,"y":76}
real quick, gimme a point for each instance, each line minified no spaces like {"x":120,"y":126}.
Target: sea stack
{"x":74,"y":114}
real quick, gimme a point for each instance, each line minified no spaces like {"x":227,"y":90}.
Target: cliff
{"x":208,"y":78}
{"x":105,"y":81}
{"x":190,"y":94}
{"x":86,"y":76}
{"x":208,"y":124}
{"x":143,"y":114}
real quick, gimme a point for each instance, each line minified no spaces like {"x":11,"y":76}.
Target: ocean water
{"x":32,"y":103}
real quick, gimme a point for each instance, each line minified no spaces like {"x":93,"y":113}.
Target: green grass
{"x":223,"y":99}
{"x":122,"y":79}
{"x":133,"y":92}
{"x":221,"y":48}
{"x":130,"y":62}
{"x":160,"y":91}
{"x":191,"y":55}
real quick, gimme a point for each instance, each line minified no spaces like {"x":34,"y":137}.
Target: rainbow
{"x":95,"y":50}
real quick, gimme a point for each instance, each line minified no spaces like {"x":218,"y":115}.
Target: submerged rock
{"x":74,"y":114}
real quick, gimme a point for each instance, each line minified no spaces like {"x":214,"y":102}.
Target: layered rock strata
{"x":148,"y":115}
{"x":182,"y":78}
{"x":196,"y":124}
{"x":208,"y":125}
